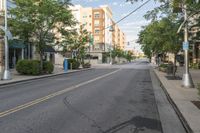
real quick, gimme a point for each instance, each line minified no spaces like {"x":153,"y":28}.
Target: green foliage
{"x":160,"y":37}
{"x":195,"y":65}
{"x":48,"y":67}
{"x":32,"y":67}
{"x":86,"y":65}
{"x":79,"y":42}
{"x":34,"y":20}
{"x":163,"y":67}
{"x":74,"y":63}
{"x":28,"y":67}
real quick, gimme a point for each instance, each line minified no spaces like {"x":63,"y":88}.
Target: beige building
{"x":122,"y":40}
{"x":97,"y":21}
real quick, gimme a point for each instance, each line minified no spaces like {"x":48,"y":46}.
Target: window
{"x":96,"y":22}
{"x":96,"y":15}
{"x":84,"y":15}
{"x":96,"y":31}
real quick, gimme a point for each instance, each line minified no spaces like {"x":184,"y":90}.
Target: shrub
{"x":28,"y":67}
{"x":48,"y":67}
{"x":86,"y":65}
{"x":195,"y":65}
{"x":75,"y":64}
{"x":163,"y":67}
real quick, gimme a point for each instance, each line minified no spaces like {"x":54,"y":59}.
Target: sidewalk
{"x":16,"y":77}
{"x":181,"y":99}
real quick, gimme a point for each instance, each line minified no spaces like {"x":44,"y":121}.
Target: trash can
{"x":170,"y":68}
{"x":65,"y":65}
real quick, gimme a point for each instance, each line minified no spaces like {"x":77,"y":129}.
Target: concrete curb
{"x":176,"y":109}
{"x":42,"y":77}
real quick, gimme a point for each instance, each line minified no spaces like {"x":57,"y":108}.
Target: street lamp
{"x":187,"y":79}
{"x":111,"y":29}
{"x":6,"y":74}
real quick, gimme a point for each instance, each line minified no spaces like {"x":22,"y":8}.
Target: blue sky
{"x":131,"y":25}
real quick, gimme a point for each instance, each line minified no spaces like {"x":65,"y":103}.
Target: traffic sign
{"x":185,"y":45}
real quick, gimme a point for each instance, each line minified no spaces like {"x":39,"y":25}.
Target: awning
{"x":15,"y":44}
{"x":48,"y":48}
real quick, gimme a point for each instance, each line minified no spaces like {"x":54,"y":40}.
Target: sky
{"x":120,"y":8}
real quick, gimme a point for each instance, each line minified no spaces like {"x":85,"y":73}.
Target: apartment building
{"x":122,"y":40}
{"x":97,"y":21}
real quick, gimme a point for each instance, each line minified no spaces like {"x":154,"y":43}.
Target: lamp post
{"x":6,"y":74}
{"x":187,"y":79}
{"x":111,"y":29}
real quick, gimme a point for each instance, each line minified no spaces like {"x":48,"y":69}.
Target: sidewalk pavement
{"x":16,"y":77}
{"x":181,"y":99}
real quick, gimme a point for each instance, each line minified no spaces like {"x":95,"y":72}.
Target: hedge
{"x":48,"y":67}
{"x":32,"y":67}
{"x":28,"y":67}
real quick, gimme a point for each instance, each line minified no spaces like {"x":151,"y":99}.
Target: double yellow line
{"x":45,"y":98}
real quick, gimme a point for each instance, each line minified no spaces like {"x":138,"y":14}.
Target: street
{"x":120,"y":99}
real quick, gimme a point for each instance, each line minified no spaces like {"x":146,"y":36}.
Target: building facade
{"x":97,"y":21}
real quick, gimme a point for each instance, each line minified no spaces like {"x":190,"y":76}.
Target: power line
{"x":128,"y":14}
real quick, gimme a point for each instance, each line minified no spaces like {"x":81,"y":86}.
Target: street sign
{"x":185,"y":45}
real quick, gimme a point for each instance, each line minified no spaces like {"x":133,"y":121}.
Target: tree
{"x":79,"y":42}
{"x":35,"y":21}
{"x":160,"y":37}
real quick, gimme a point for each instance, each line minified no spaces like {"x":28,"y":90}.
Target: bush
{"x":75,"y":64}
{"x":195,"y":65}
{"x":86,"y":65}
{"x":28,"y":67}
{"x":48,"y":67}
{"x":163,"y":67}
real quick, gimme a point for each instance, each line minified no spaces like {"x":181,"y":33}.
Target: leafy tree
{"x":79,"y":42}
{"x":160,"y":37}
{"x":35,"y":21}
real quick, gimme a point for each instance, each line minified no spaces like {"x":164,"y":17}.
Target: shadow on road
{"x":139,"y":122}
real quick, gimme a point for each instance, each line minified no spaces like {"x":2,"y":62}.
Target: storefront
{"x":16,"y":52}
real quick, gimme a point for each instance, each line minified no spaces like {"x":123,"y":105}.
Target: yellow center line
{"x":45,"y":98}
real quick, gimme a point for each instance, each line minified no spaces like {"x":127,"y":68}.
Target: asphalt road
{"x":115,"y":100}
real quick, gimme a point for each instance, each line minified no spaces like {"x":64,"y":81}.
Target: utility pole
{"x":187,"y":79}
{"x":6,"y":74}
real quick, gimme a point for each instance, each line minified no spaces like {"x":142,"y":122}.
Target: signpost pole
{"x":187,"y":79}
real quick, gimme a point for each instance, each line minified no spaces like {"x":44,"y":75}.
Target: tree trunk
{"x":41,"y":62}
{"x":174,"y":66}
